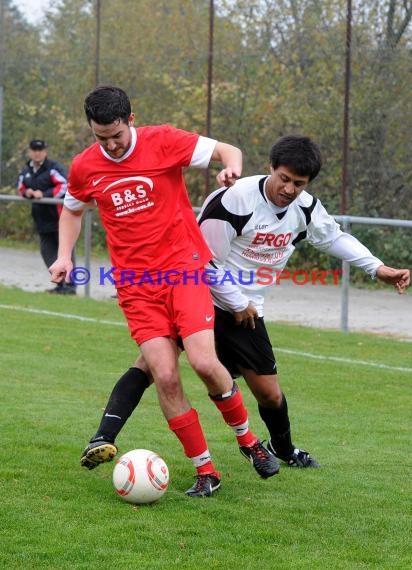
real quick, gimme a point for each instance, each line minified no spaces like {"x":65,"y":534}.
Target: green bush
{"x":16,"y":223}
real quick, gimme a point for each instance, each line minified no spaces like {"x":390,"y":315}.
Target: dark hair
{"x":107,"y":104}
{"x":298,"y":153}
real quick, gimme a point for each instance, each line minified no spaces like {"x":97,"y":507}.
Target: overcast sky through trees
{"x":33,"y":10}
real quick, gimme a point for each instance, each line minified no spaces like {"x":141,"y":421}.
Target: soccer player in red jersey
{"x":135,"y":178}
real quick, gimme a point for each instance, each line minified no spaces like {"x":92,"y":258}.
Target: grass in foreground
{"x":354,"y":417}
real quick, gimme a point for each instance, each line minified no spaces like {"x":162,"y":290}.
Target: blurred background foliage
{"x":278,"y":68}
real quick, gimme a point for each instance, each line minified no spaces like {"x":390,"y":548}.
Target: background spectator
{"x":40,"y":178}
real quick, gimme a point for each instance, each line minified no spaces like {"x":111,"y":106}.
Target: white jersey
{"x":251,"y":240}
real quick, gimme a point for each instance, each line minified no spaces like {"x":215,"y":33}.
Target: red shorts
{"x":153,"y":310}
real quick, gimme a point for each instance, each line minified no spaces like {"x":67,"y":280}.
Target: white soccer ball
{"x":140,"y":476}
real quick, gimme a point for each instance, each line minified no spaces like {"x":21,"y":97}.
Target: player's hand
{"x":399,"y":278}
{"x":231,"y":158}
{"x":37,"y":194}
{"x":227,"y":176}
{"x":61,"y":270}
{"x":29,"y":193}
{"x":246,"y":318}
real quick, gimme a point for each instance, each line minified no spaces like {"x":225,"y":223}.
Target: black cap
{"x":37,"y":144}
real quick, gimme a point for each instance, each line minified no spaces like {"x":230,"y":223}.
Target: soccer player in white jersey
{"x":252,"y":228}
{"x":134,"y":175}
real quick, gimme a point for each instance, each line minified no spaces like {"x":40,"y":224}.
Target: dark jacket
{"x":51,"y":179}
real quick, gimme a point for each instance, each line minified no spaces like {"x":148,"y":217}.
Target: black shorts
{"x":238,"y":346}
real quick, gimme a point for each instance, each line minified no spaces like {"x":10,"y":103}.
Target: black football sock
{"x":278,"y":424}
{"x":123,"y":400}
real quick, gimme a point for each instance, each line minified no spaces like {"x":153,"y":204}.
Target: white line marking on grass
{"x":341,"y":359}
{"x":276,"y":349}
{"x":63,"y":315}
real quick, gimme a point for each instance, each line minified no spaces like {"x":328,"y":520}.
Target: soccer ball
{"x":140,"y":476}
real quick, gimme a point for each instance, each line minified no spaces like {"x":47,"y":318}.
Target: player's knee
{"x":270,"y":397}
{"x":169,"y":378}
{"x":204,"y":366}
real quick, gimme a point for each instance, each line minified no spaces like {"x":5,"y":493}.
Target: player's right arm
{"x":247,"y":317}
{"x":70,"y":225}
{"x":219,"y":235}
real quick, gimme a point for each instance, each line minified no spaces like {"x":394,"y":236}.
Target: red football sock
{"x":235,"y":415}
{"x":190,"y":434}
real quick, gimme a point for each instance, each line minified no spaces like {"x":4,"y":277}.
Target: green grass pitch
{"x":350,"y":405}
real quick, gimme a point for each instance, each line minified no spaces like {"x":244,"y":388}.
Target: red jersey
{"x":142,"y":199}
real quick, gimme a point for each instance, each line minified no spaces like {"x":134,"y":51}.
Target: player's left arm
{"x":325,"y":234}
{"x":399,"y":278}
{"x":232,"y":159}
{"x":350,"y":249}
